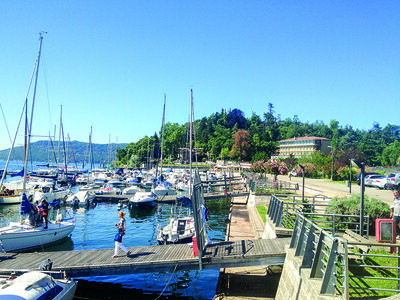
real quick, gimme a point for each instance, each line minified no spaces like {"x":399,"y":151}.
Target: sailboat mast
{"x":90,"y":151}
{"x":190,"y":144}
{"x":29,"y":131}
{"x":162,"y":134}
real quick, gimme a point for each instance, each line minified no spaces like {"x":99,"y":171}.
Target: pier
{"x":160,"y":258}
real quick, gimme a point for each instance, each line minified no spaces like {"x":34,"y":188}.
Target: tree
{"x":241,"y":144}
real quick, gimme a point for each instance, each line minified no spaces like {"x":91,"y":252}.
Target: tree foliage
{"x":230,"y":135}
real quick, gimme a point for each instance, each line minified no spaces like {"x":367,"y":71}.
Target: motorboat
{"x":37,"y":285}
{"x":31,"y":232}
{"x":179,"y":230}
{"x":49,"y":191}
{"x":143,"y":198}
{"x":163,"y":189}
{"x":81,"y":198}
{"x":131,"y":190}
{"x":109,"y":189}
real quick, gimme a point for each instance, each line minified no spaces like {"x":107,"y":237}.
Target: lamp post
{"x":362,"y":183}
{"x":302,"y":193}
{"x":350,"y":178}
{"x":332,"y":162}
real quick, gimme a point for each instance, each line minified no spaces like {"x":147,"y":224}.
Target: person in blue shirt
{"x":121,"y":231}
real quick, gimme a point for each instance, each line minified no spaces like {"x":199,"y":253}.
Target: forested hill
{"x":44,"y":151}
{"x":230,"y":135}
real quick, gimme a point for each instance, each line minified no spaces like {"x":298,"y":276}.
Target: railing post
{"x":295,"y":234}
{"x":330,"y":277}
{"x":300,"y":244}
{"x":308,"y":251}
{"x":316,"y":268}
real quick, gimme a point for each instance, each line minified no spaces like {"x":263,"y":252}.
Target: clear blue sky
{"x":109,"y":63}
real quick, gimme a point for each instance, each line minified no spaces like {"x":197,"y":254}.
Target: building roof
{"x":305,"y":138}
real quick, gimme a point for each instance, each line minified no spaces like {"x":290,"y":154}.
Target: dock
{"x":149,"y":259}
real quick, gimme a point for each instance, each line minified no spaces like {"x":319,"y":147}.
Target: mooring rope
{"x":173,"y":272}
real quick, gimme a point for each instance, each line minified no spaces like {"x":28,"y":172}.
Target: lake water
{"x":95,"y":230}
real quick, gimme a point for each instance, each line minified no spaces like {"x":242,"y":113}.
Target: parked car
{"x":367,"y":173}
{"x":370,"y":178}
{"x":379,"y":182}
{"x":393,"y":181}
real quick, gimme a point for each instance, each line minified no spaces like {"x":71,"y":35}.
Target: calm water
{"x":95,"y":230}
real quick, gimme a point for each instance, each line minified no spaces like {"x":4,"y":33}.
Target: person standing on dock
{"x":121,"y":232}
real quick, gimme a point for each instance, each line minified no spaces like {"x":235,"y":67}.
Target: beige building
{"x":299,"y":146}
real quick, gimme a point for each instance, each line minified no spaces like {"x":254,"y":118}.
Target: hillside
{"x":43,"y":151}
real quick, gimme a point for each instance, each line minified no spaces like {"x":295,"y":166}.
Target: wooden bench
{"x":353,"y":237}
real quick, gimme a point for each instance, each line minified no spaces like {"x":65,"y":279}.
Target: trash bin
{"x":347,"y":183}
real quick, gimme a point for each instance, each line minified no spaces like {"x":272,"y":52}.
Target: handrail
{"x":340,"y":268}
{"x":283,"y":214}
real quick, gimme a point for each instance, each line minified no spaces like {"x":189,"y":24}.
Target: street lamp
{"x":332,"y":162}
{"x":362,"y":178}
{"x":302,"y":193}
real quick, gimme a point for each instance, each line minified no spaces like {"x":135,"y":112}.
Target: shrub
{"x":373,"y":208}
{"x":275,"y":167}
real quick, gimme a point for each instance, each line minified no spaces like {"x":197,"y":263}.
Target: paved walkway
{"x":332,"y":189}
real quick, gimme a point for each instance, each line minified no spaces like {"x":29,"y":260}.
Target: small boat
{"x":37,"y":285}
{"x":31,"y":232}
{"x":143,"y":198}
{"x":130,"y":190}
{"x":81,"y":198}
{"x":109,"y":189}
{"x":179,"y":230}
{"x":163,"y":189}
{"x":49,"y":191}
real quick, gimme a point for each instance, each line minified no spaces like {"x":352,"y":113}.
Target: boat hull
{"x":37,"y":285}
{"x":17,"y":237}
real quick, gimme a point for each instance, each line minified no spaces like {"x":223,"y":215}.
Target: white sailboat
{"x":161,"y":187}
{"x":181,"y":229}
{"x":31,"y":232}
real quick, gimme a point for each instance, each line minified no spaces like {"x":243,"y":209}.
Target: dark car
{"x":365,"y":174}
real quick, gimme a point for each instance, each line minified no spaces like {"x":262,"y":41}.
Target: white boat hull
{"x":16,"y":199}
{"x":16,"y":236}
{"x":37,"y":285}
{"x":143,"y":198}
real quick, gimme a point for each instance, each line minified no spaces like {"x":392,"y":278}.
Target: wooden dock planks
{"x":160,"y":258}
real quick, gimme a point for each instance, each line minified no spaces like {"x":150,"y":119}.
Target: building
{"x":299,"y":146}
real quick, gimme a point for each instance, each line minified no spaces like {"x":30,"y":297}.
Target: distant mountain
{"x":44,"y":151}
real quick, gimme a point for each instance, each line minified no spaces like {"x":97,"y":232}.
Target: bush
{"x":373,"y":208}
{"x":344,"y":173}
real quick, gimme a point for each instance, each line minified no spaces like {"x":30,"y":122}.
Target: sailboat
{"x":30,"y":232}
{"x":162,"y":187}
{"x":181,"y":228}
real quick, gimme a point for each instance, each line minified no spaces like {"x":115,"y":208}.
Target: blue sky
{"x":109,"y":63}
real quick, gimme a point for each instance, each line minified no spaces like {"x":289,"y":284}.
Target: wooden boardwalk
{"x":149,"y":259}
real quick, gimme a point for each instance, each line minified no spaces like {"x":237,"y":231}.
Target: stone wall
{"x":295,"y":282}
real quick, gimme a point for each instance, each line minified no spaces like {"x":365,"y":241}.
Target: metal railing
{"x":283,"y":213}
{"x":342,"y":269}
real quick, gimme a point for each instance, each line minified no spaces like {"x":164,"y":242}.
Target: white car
{"x":379,"y":182}
{"x":369,"y":179}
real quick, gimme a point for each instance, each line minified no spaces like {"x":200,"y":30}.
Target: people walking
{"x":121,"y":232}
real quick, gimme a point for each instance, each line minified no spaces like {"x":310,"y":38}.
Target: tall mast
{"x":29,"y":131}
{"x":190,"y":144}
